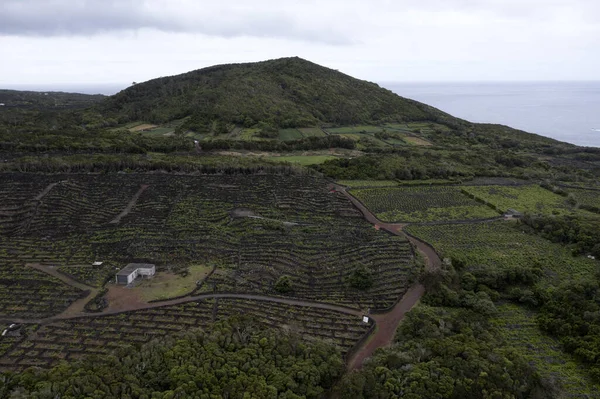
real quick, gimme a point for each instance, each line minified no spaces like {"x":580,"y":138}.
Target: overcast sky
{"x":94,"y":42}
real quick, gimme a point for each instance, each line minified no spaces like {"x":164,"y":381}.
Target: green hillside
{"x":287,"y":92}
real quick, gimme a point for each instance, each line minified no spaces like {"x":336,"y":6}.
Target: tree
{"x":284,"y":284}
{"x":361,"y":278}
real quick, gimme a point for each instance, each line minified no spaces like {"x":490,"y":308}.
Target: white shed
{"x":133,"y":270}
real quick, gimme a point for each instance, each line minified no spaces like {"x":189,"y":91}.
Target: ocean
{"x":565,"y":111}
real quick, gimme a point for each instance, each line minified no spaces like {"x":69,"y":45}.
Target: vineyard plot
{"x":256,"y":228}
{"x":70,"y":339}
{"x":493,"y":247}
{"x":422,"y":204}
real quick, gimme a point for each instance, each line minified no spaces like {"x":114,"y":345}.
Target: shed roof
{"x":130,"y":268}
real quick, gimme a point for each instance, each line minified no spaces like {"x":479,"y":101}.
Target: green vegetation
{"x":368,"y":183}
{"x":361,"y":278}
{"x":251,"y":363}
{"x":422,"y":204}
{"x":587,"y":198}
{"x":527,"y":199}
{"x":302,"y":159}
{"x":290,"y":134}
{"x":442,"y":352}
{"x":284,"y":285}
{"x":73,"y":166}
{"x":519,"y":328}
{"x":569,"y":312}
{"x":288,"y":92}
{"x":500,"y":253}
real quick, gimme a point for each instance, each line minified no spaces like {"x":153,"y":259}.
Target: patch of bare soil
{"x":145,"y":126}
{"x":121,"y":298}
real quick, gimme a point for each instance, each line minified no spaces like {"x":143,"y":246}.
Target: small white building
{"x":130,"y":272}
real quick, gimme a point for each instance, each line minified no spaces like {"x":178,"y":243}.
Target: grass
{"x":303,"y":159}
{"x":526,"y":199}
{"x":159,"y":131}
{"x":142,"y":126}
{"x":169,"y":285}
{"x":355,"y":129}
{"x":368,"y":183}
{"x":518,"y":327}
{"x":289,"y":134}
{"x":417,"y":141}
{"x":312,"y":132}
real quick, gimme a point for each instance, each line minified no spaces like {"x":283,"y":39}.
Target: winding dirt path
{"x":264,"y":298}
{"x":387,"y":323}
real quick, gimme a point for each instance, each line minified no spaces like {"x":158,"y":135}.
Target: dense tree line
{"x":581,"y":235}
{"x":447,"y":348}
{"x":235,"y":359}
{"x":571,"y":312}
{"x":111,"y":163}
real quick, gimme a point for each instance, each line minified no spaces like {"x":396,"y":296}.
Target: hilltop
{"x":286,"y":92}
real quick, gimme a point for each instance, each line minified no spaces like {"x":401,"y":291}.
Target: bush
{"x":362,"y":278}
{"x":284,"y":285}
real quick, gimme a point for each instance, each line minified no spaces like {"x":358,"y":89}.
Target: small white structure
{"x":1,"y":104}
{"x":133,"y":270}
{"x":97,"y":263}
{"x":366,"y":319}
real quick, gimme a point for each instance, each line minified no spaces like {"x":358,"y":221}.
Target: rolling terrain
{"x":314,"y":235}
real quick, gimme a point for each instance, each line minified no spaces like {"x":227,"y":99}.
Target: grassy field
{"x":493,"y":246}
{"x":368,"y":183}
{"x":530,"y":199}
{"x":303,"y":159}
{"x":429,"y":182}
{"x":354,"y":129}
{"x":169,"y":285}
{"x":422,"y":204}
{"x":290,"y":134}
{"x":417,"y":141}
{"x":140,"y":127}
{"x":312,"y":132}
{"x":520,"y":330}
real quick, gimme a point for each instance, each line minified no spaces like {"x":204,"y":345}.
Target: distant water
{"x":565,"y":111}
{"x":106,"y":89}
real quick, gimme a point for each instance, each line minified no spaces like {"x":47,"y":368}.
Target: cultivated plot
{"x":422,"y":204}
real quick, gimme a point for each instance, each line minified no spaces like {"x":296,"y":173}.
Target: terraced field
{"x":255,"y":228}
{"x":70,"y":339}
{"x":422,"y":204}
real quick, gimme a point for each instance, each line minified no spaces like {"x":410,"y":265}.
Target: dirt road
{"x":387,"y":323}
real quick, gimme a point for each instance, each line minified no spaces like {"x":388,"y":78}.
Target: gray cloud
{"x":92,"y":17}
